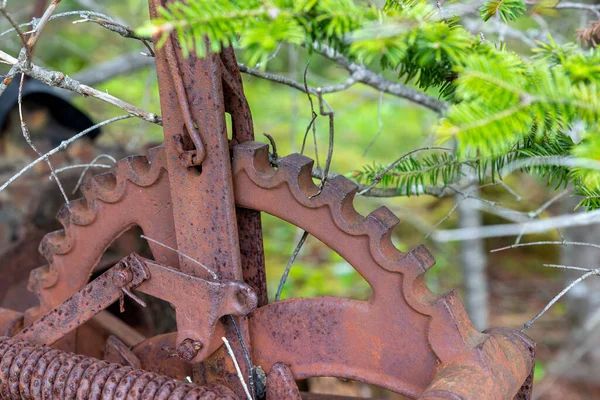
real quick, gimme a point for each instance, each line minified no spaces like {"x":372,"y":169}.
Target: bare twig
{"x":98,"y":157}
{"x":80,"y":13}
{"x":501,"y":230}
{"x":246,"y":355}
{"x":210,"y":271}
{"x":58,"y":79}
{"x":62,"y":146}
{"x":288,"y":267}
{"x":313,"y":118}
{"x":77,"y":166}
{"x":364,"y":75}
{"x":561,"y":294}
{"x":237,"y":367}
{"x":41,"y":24}
{"x":510,"y":190}
{"x":10,"y":19}
{"x":27,"y":137}
{"x":119,"y":28}
{"x":546,"y":242}
{"x":274,"y":154}
{"x":593,"y":8}
{"x":379,"y":122}
{"x":294,"y":84}
{"x":544,"y":206}
{"x":571,"y":267}
{"x":445,"y":217}
{"x":330,"y":114}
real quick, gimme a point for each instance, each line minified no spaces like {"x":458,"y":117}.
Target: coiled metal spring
{"x":41,"y":373}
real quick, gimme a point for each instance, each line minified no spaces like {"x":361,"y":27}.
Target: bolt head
{"x":188,"y":349}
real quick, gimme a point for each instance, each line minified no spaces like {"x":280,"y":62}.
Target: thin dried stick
{"x":246,"y":356}
{"x":58,"y":79}
{"x":80,"y":180}
{"x":561,"y":294}
{"x":560,"y":266}
{"x":544,"y":206}
{"x":237,"y":367}
{"x":379,"y":121}
{"x":288,"y":267}
{"x":331,"y":116}
{"x":76,"y":166}
{"x":544,"y":242}
{"x":27,"y":137}
{"x":211,"y":272}
{"x":312,"y":122}
{"x":10,"y":19}
{"x":62,"y":146}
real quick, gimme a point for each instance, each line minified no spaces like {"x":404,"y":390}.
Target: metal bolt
{"x":122,"y":277}
{"x":188,"y":349}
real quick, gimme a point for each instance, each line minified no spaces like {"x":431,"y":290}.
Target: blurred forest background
{"x":370,"y":127}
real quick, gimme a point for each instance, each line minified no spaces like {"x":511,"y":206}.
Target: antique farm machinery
{"x":199,"y":197}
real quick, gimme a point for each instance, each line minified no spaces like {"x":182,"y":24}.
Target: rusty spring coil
{"x":41,"y":373}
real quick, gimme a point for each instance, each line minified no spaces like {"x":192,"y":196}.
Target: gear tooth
{"x":156,"y":155}
{"x":451,"y":301}
{"x":380,"y":226}
{"x":64,"y":216}
{"x":80,"y":213}
{"x":139,"y":164}
{"x":423,"y":257}
{"x":110,"y":185}
{"x":341,"y":192}
{"x":385,"y":220}
{"x":255,"y":154}
{"x":54,"y":243}
{"x":124,"y":170}
{"x":343,"y":185}
{"x":297,"y":168}
{"x":105,"y":182}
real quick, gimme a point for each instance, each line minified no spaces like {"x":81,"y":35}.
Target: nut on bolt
{"x":188,"y":349}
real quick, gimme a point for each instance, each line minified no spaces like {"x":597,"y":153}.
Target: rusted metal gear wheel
{"x":396,"y":340}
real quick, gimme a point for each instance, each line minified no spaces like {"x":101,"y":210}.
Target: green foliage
{"x":509,"y":10}
{"x":502,"y":107}
{"x":586,"y":177}
{"x":433,"y":170}
{"x":264,"y":24}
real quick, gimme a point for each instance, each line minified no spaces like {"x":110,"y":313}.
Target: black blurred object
{"x":39,"y":96}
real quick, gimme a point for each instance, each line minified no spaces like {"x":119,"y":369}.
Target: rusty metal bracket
{"x":89,"y":301}
{"x":199,"y":305}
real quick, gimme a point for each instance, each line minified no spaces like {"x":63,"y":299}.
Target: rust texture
{"x":281,"y":384}
{"x":39,"y":372}
{"x":202,"y":193}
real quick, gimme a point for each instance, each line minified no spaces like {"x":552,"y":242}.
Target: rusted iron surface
{"x":39,"y":372}
{"x":361,"y":336}
{"x":199,"y":305}
{"x":190,"y":195}
{"x":89,"y":301}
{"x":281,"y":384}
{"x":11,"y":322}
{"x":116,"y":352}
